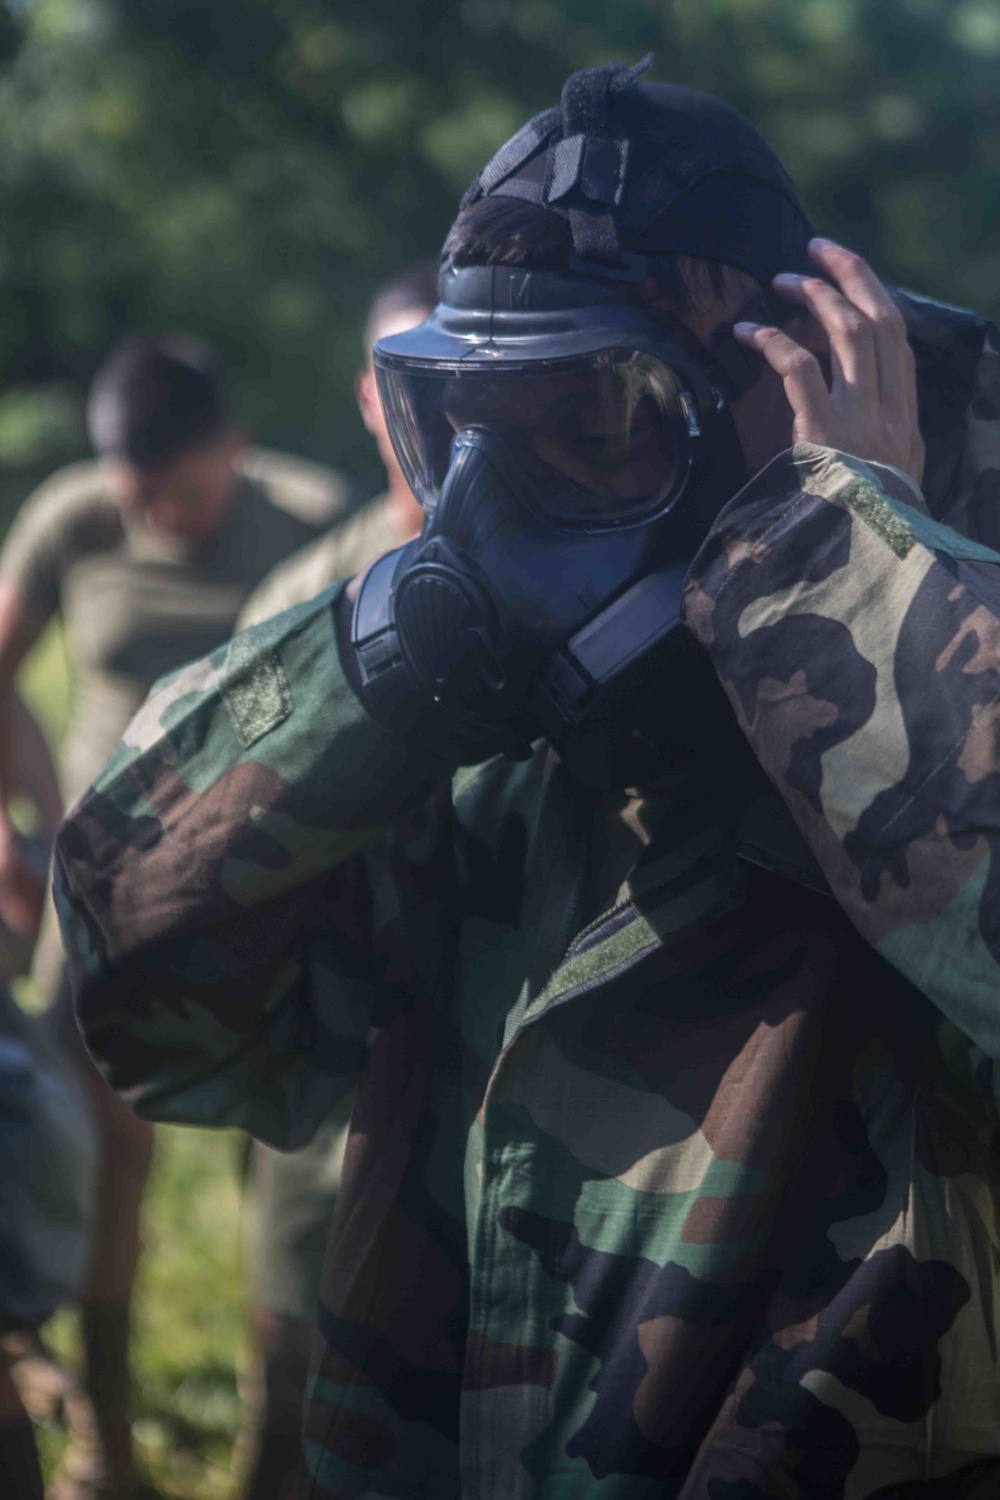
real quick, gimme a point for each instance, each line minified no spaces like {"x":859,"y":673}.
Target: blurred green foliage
{"x":250,"y":169}
{"x":188,"y":1323}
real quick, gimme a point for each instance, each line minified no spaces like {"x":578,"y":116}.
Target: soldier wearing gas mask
{"x":627,"y":840}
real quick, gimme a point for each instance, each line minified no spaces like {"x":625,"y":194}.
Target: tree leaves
{"x":251,"y":169}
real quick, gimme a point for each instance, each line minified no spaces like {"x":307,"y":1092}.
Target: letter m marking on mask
{"x":519,"y":289}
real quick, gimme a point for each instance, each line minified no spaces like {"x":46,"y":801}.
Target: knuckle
{"x":853,"y":323}
{"x":772,"y":341}
{"x":799,"y":360}
{"x":889,"y":320}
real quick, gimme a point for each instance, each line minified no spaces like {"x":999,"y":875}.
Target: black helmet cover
{"x":648,"y":170}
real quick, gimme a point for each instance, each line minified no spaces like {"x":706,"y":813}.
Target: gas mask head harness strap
{"x":642,"y":170}
{"x":570,"y":442}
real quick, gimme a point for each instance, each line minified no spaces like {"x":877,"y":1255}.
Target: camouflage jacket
{"x":664,"y":1179}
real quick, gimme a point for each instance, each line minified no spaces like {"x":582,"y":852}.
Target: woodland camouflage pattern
{"x":728,"y":1227}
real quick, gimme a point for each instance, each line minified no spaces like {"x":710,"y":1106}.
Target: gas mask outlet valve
{"x":443,"y":619}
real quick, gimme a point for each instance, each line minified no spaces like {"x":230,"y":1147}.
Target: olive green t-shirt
{"x":137,"y":603}
{"x":347,"y":547}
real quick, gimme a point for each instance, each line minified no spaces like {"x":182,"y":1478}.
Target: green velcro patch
{"x":256,"y":694}
{"x":874,"y":509}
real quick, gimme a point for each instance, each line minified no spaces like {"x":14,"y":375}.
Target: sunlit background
{"x":249,"y":170}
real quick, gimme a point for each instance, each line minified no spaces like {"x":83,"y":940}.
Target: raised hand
{"x":868,"y":406}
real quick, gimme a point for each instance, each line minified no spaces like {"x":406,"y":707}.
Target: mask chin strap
{"x":585,"y":169}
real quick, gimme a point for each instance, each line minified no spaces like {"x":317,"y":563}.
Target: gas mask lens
{"x":599,"y":440}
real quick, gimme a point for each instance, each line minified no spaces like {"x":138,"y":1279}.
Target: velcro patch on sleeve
{"x":255,"y":691}
{"x":872,"y":507}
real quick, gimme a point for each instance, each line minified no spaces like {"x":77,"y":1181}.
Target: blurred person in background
{"x":47,"y":1152}
{"x":291,"y":1196}
{"x":392,"y":517}
{"x":146,"y":554}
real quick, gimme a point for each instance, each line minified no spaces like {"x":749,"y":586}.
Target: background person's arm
{"x":25,"y":763}
{"x":33,"y":772}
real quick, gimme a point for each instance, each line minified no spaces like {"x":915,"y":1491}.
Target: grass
{"x":189,"y":1302}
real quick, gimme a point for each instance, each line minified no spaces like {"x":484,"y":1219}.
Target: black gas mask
{"x":571,"y":450}
{"x":571,"y":446}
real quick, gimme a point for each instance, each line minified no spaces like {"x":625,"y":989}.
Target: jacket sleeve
{"x":859,"y":643}
{"x":226,"y":891}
